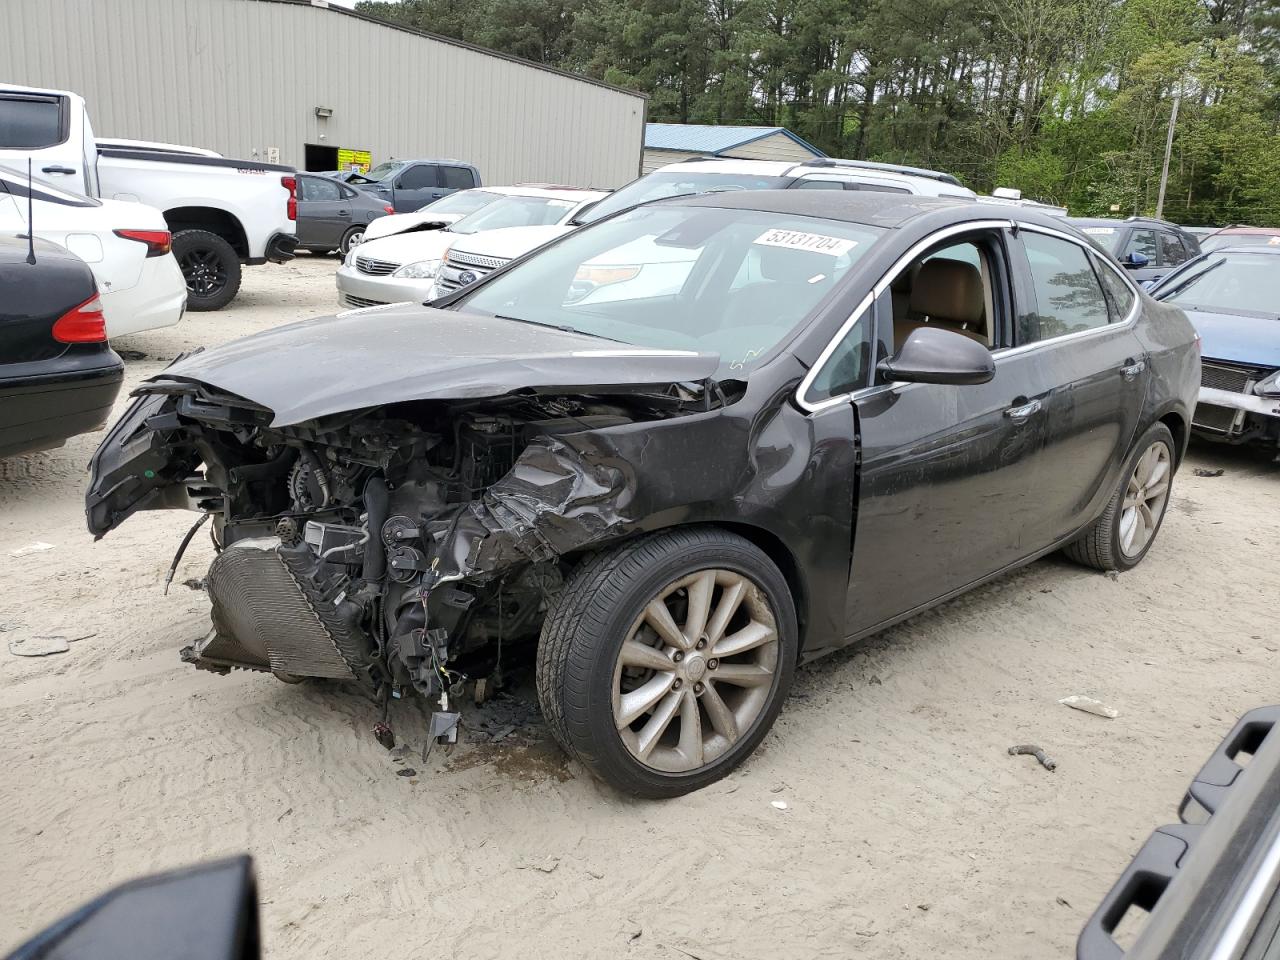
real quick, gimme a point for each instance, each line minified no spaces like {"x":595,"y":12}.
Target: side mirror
{"x":207,"y":912}
{"x":935,"y":355}
{"x":1136,"y":261}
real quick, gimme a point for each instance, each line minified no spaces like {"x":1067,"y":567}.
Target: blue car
{"x":1232,"y":297}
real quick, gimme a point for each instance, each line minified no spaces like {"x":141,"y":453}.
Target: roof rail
{"x":883,"y":167}
{"x":1168,"y":223}
{"x":705,"y":156}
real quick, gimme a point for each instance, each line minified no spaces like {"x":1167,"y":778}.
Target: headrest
{"x":948,"y":290}
{"x":795,"y":266}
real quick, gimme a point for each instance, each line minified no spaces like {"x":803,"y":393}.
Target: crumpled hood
{"x":1254,"y":341}
{"x":399,"y":222}
{"x":365,"y":358}
{"x":509,"y":242}
{"x":402,"y":248}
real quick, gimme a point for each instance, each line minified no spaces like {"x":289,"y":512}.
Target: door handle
{"x":1021,"y":413}
{"x":56,"y":168}
{"x":344,"y":213}
{"x":1132,"y":368}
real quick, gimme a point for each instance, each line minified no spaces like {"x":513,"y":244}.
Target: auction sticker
{"x":1100,"y":231}
{"x":812,"y":242}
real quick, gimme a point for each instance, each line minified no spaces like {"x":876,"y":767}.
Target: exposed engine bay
{"x":386,"y":546}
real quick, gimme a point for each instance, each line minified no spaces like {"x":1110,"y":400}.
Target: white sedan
{"x":126,"y":245}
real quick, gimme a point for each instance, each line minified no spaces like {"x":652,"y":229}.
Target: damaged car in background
{"x":846,"y":410}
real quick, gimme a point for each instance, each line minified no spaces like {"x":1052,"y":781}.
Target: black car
{"x":1146,"y":247}
{"x":1232,"y":297}
{"x":688,"y":447}
{"x":332,"y":215}
{"x":58,"y":376}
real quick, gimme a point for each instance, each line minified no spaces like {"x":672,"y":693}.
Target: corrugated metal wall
{"x":242,"y":76}
{"x":653,"y":159}
{"x":776,"y":147}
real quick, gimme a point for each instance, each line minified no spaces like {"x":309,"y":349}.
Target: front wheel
{"x":210,"y":266}
{"x":665,"y":660}
{"x":1121,"y":537}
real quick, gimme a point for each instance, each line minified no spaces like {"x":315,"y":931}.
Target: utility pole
{"x":1168,"y":149}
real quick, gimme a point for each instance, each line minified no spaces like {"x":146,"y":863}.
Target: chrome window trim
{"x":865,"y":303}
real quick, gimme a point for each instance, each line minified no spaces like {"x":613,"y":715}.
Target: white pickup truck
{"x":222,"y":212}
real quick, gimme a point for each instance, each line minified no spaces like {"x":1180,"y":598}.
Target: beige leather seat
{"x":947,"y":294}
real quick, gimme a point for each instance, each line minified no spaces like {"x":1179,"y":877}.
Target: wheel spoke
{"x":749,"y":637}
{"x":743,"y":674}
{"x":690,"y":744}
{"x":657,"y":724}
{"x":1128,"y":523}
{"x":659,"y":617}
{"x":718,"y":712}
{"x":730,"y":599}
{"x":700,"y":592}
{"x":1143,"y":470}
{"x":636,"y":702}
{"x":1155,"y":491}
{"x":637,"y":654}
{"x":1159,"y":468}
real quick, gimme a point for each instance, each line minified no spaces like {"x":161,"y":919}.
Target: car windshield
{"x":1231,"y":283}
{"x":1102,"y":234}
{"x":657,"y":186}
{"x":382,"y":171}
{"x":515,"y":212}
{"x":1219,"y":240}
{"x":463,"y":202}
{"x":732,"y":282}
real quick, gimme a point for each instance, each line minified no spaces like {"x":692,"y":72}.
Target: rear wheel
{"x":1121,"y":537}
{"x":211,"y":267}
{"x":350,"y":239}
{"x":665,"y":660}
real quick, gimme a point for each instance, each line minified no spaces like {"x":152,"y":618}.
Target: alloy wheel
{"x":1144,"y":499}
{"x":695,"y":671}
{"x":203,"y":271}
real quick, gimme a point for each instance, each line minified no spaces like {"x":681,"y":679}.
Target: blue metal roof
{"x":708,"y":138}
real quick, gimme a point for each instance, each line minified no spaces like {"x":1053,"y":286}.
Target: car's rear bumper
{"x":158,"y":299}
{"x":40,"y":410}
{"x":356,"y":289}
{"x":280,"y":248}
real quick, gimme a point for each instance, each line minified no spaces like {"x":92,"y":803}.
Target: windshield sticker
{"x":1100,"y":231}
{"x":1274,"y":242}
{"x":812,"y":242}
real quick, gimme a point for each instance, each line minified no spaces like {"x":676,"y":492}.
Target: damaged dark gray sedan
{"x":683,"y":449}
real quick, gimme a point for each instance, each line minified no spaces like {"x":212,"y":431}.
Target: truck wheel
{"x":210,"y":266}
{"x":664,"y":661}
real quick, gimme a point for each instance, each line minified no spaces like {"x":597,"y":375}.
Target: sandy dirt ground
{"x":907,"y":830}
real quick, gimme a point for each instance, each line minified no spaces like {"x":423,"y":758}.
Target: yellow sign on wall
{"x":354,"y":159}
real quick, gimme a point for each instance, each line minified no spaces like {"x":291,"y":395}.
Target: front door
{"x":947,"y":480}
{"x":1077,"y":327}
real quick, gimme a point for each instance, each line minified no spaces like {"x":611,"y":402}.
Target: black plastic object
{"x":1195,"y":879}
{"x":206,"y":912}
{"x":934,"y":355}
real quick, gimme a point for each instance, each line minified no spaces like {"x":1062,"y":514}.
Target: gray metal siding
{"x":653,"y":159}
{"x":776,"y":147}
{"x":241,"y":76}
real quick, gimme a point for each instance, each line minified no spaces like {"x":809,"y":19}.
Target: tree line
{"x":1068,"y":100}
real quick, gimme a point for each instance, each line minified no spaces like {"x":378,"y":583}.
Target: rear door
{"x":416,"y":186}
{"x":1077,"y":327}
{"x":947,"y":478}
{"x":1172,"y":252}
{"x":323,"y":213}
{"x":41,"y":126}
{"x":454,"y":178}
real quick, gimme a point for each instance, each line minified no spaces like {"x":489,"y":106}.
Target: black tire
{"x":1099,"y":546}
{"x":210,"y":266}
{"x":350,"y":239}
{"x":583,"y":635}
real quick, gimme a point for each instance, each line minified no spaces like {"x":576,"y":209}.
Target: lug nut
{"x":712,"y":663}
{"x":697,"y":688}
{"x":701,"y":644}
{"x":677,"y":656}
{"x":678,"y":684}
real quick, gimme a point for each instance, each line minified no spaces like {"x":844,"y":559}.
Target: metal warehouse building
{"x":297,"y":81}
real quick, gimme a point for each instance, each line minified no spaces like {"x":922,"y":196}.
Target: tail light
{"x":389,"y":208}
{"x":158,"y":242}
{"x":83,"y":323}
{"x":291,"y":184}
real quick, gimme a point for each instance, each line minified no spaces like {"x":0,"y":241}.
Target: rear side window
{"x":320,"y":189}
{"x":818,"y":185}
{"x":417,"y":177}
{"x":1069,"y":297}
{"x":875,"y":187}
{"x":1119,"y":295}
{"x":1171,"y":249}
{"x":456,"y":178}
{"x":32,"y":123}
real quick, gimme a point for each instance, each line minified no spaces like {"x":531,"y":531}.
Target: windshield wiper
{"x":562,"y":327}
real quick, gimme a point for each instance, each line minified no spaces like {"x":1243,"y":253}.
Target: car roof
{"x":1244,"y":250}
{"x":888,"y":210}
{"x":926,"y":181}
{"x":575,"y":194}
